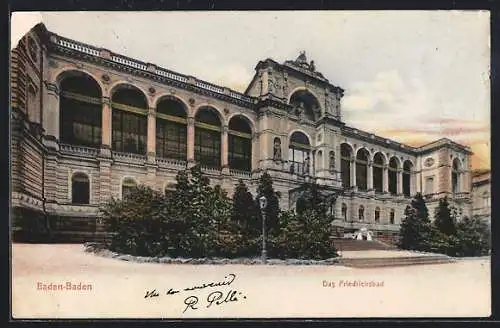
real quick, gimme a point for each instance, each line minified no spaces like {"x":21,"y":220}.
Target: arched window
{"x":407,"y":166}
{"x":80,"y":110}
{"x":240,"y":144}
{"x":345,"y":164}
{"x":361,"y":213}
{"x":171,"y":129}
{"x":455,"y":176}
{"x":128,"y":186}
{"x":486,"y":199}
{"x":130,"y":120}
{"x":306,"y":104}
{"x":344,"y":211}
{"x":378,"y":172}
{"x":298,"y":153}
{"x":80,"y":189}
{"x":362,"y":169}
{"x":331,"y":162}
{"x":207,"y":141}
{"x":393,"y":176}
{"x":391,"y":217}
{"x":377,"y":214}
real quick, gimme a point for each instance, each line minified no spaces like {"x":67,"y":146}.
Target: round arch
{"x":165,"y":96}
{"x":120,"y":85}
{"x":250,"y":121}
{"x":290,"y":133}
{"x":217,"y":111}
{"x":64,"y":72}
{"x":289,"y":97}
{"x":385,"y":160}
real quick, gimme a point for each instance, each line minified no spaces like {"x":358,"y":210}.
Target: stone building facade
{"x":88,"y":124}
{"x":481,"y":194}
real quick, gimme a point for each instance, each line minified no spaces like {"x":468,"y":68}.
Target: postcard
{"x":239,"y":164}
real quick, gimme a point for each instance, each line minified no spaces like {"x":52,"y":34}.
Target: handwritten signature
{"x":217,"y":297}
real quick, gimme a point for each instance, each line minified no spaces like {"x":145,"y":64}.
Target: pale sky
{"x":411,"y":76}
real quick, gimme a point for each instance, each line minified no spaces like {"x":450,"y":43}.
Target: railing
{"x":77,"y":46}
{"x":171,"y":162}
{"x":209,"y":86}
{"x":78,"y":150}
{"x":241,"y":174}
{"x":129,"y":156}
{"x":171,"y":75}
{"x":461,"y":195}
{"x":128,"y":62}
{"x":210,"y":169}
{"x":143,"y":66}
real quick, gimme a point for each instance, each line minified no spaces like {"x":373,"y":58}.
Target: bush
{"x":304,"y":236}
{"x":135,"y":222}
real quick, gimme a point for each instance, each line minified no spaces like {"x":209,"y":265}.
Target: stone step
{"x":395,"y":261}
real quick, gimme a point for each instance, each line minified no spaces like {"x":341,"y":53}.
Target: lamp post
{"x":263,"y":205}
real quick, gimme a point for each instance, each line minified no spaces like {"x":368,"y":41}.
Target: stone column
{"x":399,"y":181}
{"x":353,"y":173}
{"x":369,"y":176}
{"x":385,"y":179}
{"x":151,"y":135}
{"x":224,"y":148}
{"x":106,"y":127}
{"x":255,"y":151}
{"x":190,"y":141}
{"x":51,"y":114}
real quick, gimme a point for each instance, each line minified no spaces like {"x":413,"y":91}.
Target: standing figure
{"x":277,"y":149}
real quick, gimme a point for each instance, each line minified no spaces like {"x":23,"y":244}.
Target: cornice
{"x":122,"y":63}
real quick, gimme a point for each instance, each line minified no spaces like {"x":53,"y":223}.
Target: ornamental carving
{"x":429,"y":162}
{"x":152,"y":90}
{"x":105,"y":78}
{"x":192,"y":101}
{"x":33,"y":49}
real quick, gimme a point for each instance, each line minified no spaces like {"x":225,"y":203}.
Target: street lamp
{"x":263,"y":205}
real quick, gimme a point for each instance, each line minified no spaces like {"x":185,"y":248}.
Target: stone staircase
{"x":363,"y":262}
{"x":342,"y":244}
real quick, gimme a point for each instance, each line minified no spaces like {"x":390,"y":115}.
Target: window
{"x":240,"y":144}
{"x":361,"y":213}
{"x":429,"y":185}
{"x":298,"y":154}
{"x":305,"y":104}
{"x":80,"y":189}
{"x":362,"y":169}
{"x":345,"y":164}
{"x":455,"y":176}
{"x":393,"y":176}
{"x":171,"y":129}
{"x":377,"y":215}
{"x":207,"y":139}
{"x":486,"y":200}
{"x":378,"y":171}
{"x":391,"y":217}
{"x":128,"y":186}
{"x":80,"y":111}
{"x":344,"y":211}
{"x":407,"y":166}
{"x":130,"y":122}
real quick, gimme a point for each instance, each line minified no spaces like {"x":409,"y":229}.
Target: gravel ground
{"x":118,"y":288}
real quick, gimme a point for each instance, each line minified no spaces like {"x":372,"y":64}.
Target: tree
{"x":416,"y":229}
{"x":265,"y":188}
{"x":136,"y":223}
{"x":244,"y":209}
{"x":444,"y":218}
{"x":305,"y":236}
{"x":312,"y":200}
{"x":474,"y":237}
